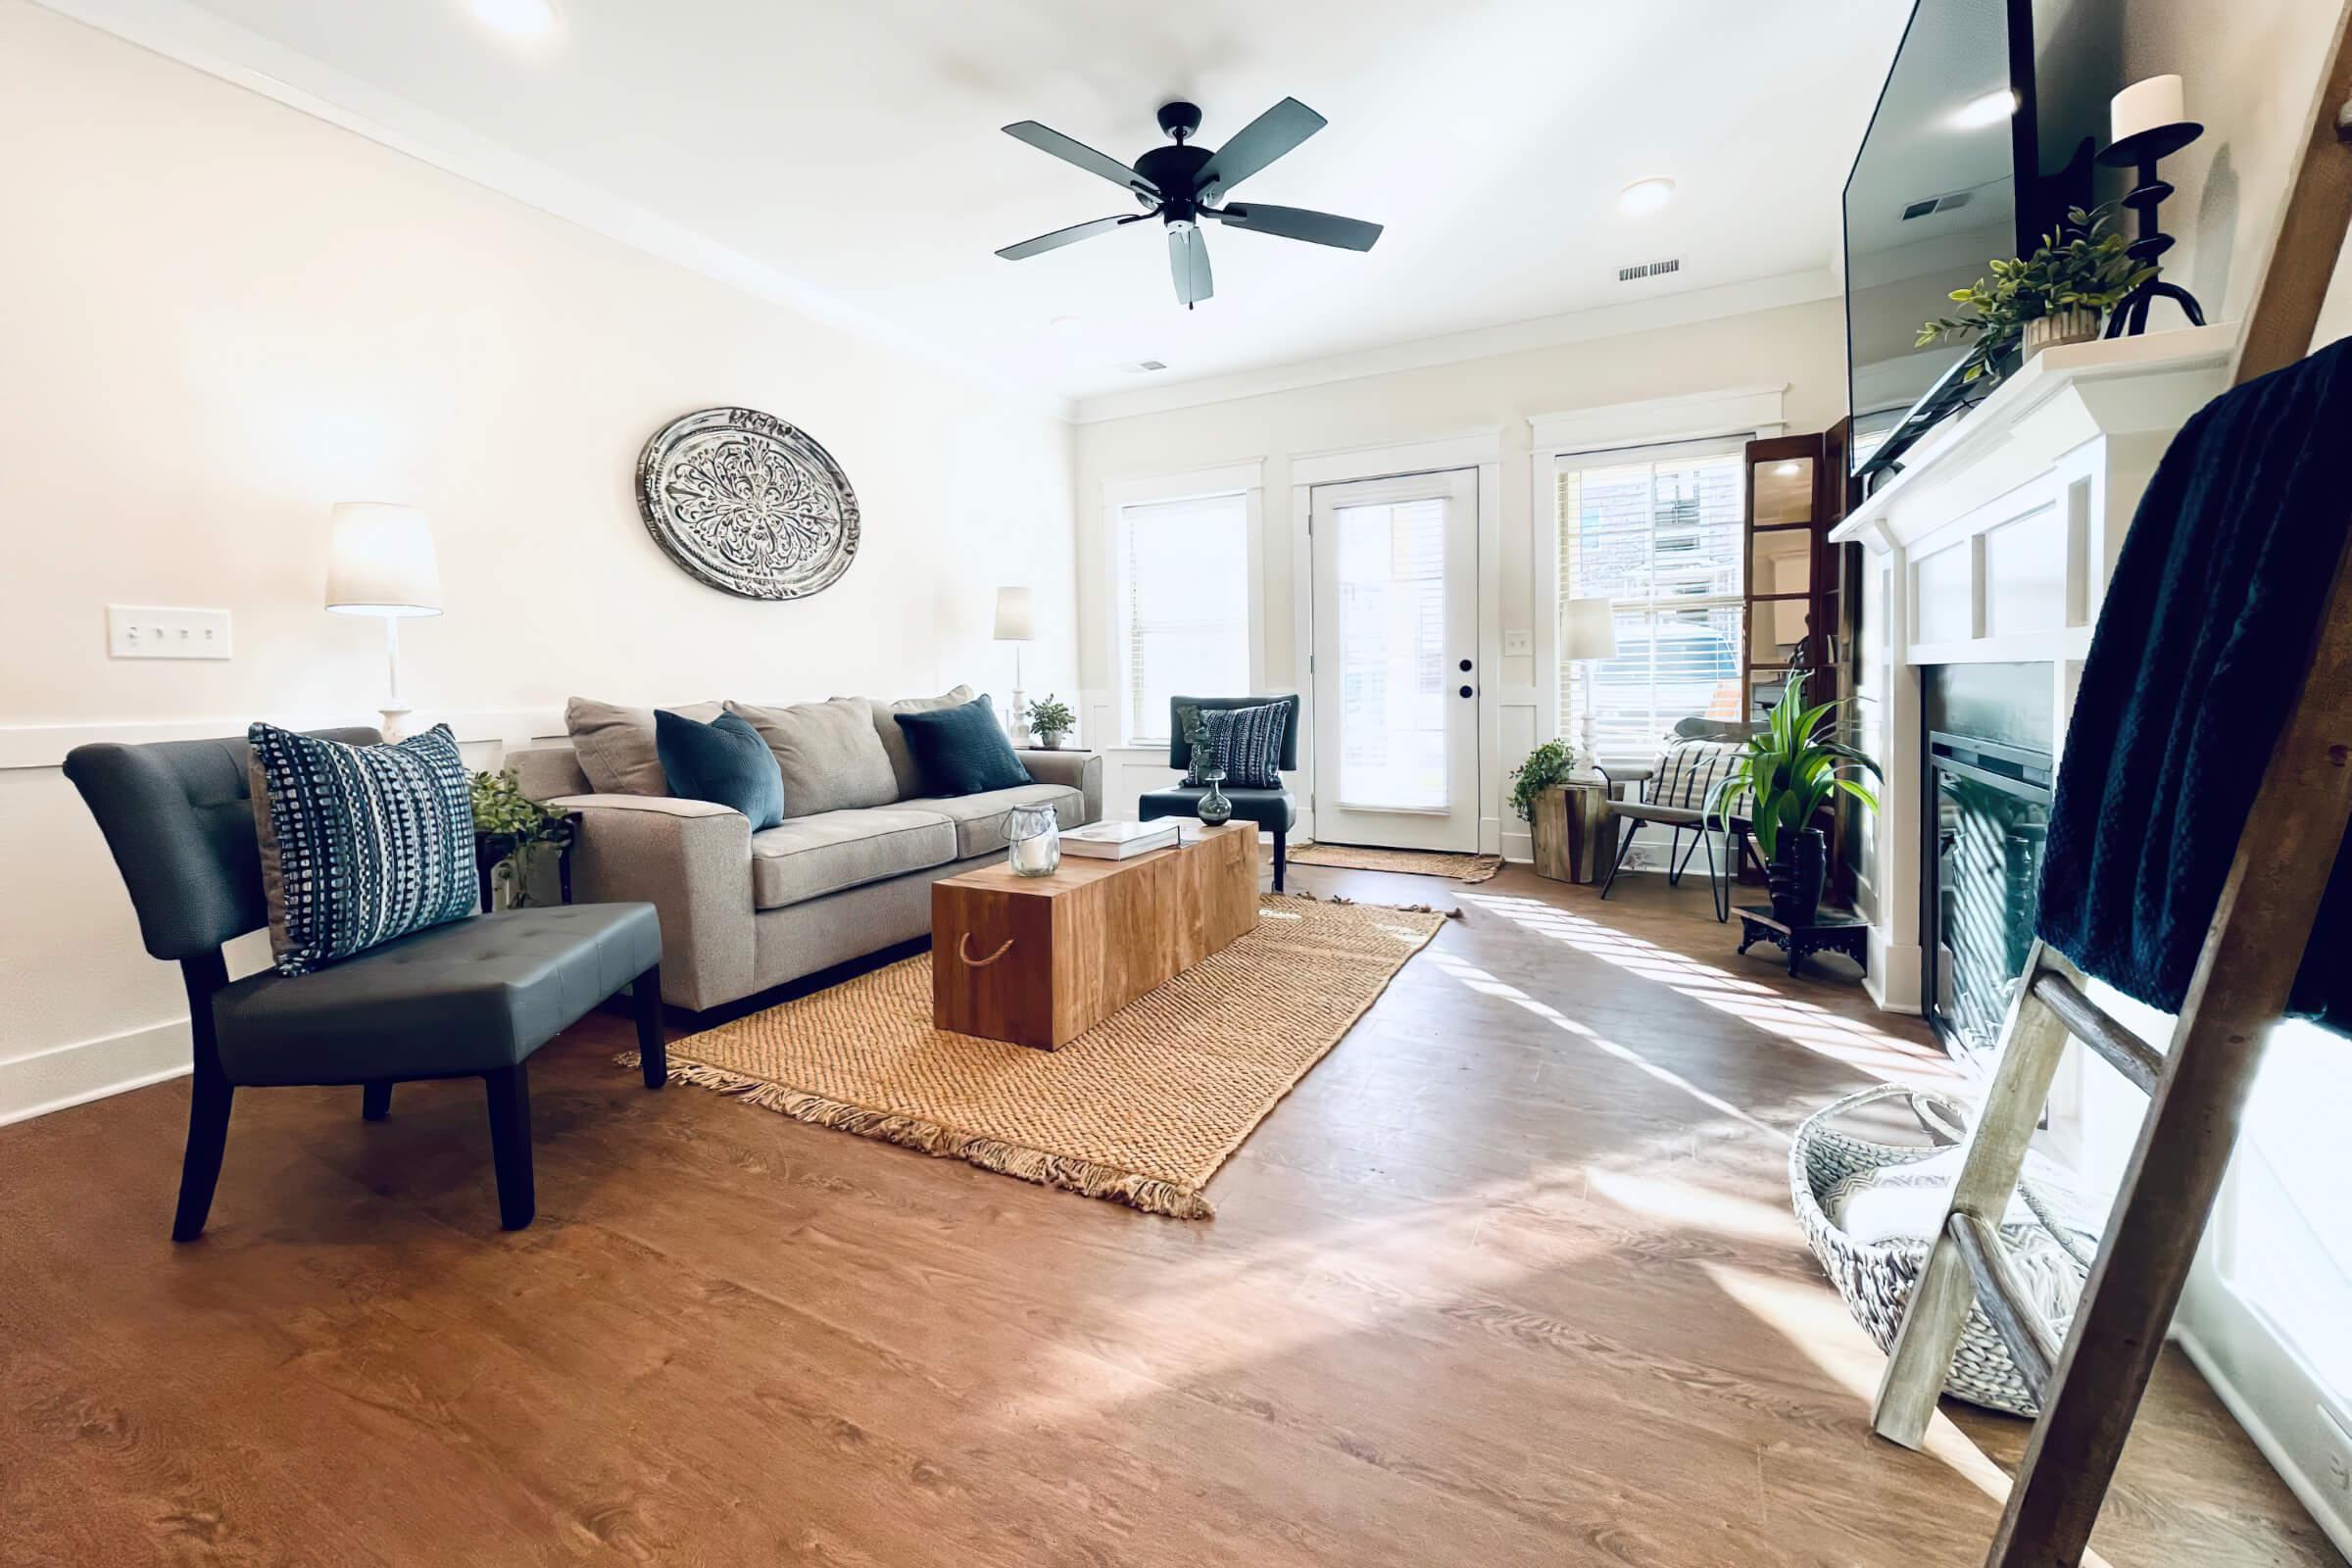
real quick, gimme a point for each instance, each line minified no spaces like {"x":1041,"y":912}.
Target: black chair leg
{"x":652,"y":1045}
{"x":1719,"y":888}
{"x":208,"y":1137}
{"x":376,"y":1100}
{"x":510,"y":1095}
{"x":1633,"y":826}
{"x":1282,"y":858}
{"x":1677,"y":879}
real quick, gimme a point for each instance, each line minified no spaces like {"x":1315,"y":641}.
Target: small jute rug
{"x":1411,"y":862}
{"x":1142,"y":1109}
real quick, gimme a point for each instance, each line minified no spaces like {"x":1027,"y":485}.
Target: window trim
{"x":1243,"y":480}
{"x":1749,"y":414}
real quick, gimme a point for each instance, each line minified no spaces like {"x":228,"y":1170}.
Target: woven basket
{"x":1876,"y":1281}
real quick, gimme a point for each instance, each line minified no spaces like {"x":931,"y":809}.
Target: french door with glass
{"x":1395,"y":640}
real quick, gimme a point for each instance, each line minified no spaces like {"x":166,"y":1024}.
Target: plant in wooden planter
{"x":1537,"y":796}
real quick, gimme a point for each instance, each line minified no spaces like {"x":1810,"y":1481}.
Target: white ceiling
{"x":855,"y":148}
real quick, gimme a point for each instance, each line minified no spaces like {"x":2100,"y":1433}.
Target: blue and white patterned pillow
{"x":360,"y":844}
{"x":1247,"y":743}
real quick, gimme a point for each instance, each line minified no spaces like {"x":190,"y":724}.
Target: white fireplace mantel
{"x":1995,"y":543}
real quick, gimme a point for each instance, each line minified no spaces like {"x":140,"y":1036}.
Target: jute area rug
{"x":1411,"y":862}
{"x":1142,"y":1109}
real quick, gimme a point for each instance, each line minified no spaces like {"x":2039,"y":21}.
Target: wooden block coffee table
{"x":1039,"y":960}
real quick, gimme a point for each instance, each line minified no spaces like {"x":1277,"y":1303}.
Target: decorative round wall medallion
{"x":748,"y":503}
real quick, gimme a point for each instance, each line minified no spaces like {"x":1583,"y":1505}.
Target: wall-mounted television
{"x":1980,"y":143}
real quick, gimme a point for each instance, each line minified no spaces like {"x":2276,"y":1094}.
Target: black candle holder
{"x":2142,"y":151}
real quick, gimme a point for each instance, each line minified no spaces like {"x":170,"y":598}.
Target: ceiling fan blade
{"x":1257,"y":144}
{"x":1048,"y":140}
{"x":1067,"y":236}
{"x":1188,"y":258}
{"x":1301,"y":222}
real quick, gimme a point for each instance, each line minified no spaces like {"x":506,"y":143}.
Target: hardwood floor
{"x":1510,"y":1279}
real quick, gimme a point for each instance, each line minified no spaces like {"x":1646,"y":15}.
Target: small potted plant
{"x":1546,"y":768}
{"x":1780,"y":782}
{"x":509,"y":825}
{"x":2056,"y":295}
{"x":1049,"y":720}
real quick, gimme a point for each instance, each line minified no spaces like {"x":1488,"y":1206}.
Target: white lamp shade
{"x":1587,"y":629}
{"x":382,"y":561}
{"x":1015,"y":621}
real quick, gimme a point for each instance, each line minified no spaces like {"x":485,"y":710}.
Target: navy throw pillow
{"x":962,"y":751}
{"x":723,"y":762}
{"x":1247,"y":744}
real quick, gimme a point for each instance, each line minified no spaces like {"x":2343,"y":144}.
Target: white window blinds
{"x":1184,"y":604}
{"x":1658,"y":532}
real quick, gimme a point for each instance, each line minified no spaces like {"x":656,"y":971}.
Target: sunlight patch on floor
{"x":1801,"y":1023}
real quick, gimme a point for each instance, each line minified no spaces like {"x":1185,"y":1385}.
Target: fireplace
{"x":1987,"y":810}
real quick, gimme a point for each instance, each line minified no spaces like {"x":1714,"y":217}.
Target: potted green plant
{"x":1050,"y":720}
{"x":2081,"y":271}
{"x":1546,"y":768}
{"x":511,"y":825}
{"x":1780,"y":781}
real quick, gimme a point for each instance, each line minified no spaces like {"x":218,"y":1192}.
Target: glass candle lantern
{"x":1033,"y":841}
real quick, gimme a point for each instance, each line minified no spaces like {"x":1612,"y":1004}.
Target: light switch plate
{"x":1518,"y":644}
{"x":154,"y":632}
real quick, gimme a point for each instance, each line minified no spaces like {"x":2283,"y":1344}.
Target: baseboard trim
{"x":82,"y":1070}
{"x":2319,"y":1505}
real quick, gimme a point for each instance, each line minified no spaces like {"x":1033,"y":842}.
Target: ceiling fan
{"x":1180,"y":185}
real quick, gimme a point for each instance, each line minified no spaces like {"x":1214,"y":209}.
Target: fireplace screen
{"x":1992,"y":816}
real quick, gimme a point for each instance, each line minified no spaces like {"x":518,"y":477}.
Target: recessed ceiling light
{"x":1644,"y":196}
{"x":1788,"y":470}
{"x":1989,"y":110}
{"x":517,"y":18}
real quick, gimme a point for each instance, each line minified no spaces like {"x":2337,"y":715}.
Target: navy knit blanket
{"x":2202,"y":643}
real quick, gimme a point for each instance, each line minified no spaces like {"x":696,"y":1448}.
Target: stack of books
{"x":1117,"y":841}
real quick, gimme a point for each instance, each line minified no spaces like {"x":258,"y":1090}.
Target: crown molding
{"x":194,"y":37}
{"x":1479,"y":343}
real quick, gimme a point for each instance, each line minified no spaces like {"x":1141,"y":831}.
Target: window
{"x":1183,"y":606}
{"x":1659,"y":533}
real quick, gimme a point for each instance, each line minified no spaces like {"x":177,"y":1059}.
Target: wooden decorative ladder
{"x":2089,"y":1386}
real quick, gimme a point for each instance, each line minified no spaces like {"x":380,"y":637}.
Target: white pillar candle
{"x":2145,"y":104}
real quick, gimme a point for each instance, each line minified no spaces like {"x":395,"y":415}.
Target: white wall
{"x":1800,"y":346}
{"x":219,"y":316}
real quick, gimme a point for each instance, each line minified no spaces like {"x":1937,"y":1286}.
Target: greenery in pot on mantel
{"x":2081,"y":266}
{"x":1050,"y":720}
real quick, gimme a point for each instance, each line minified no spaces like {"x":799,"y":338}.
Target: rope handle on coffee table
{"x":963,"y":950}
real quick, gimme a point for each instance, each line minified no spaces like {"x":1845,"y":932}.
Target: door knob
{"x":1465,"y":691}
{"x":1465,"y":667}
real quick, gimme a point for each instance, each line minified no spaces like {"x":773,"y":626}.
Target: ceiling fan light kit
{"x":1181,"y":184}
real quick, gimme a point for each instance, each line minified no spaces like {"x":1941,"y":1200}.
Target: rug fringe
{"x":1151,"y":1193}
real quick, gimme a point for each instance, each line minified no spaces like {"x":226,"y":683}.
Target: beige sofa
{"x":742,"y":911}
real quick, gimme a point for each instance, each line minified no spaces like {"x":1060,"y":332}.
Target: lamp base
{"x":1017,"y":720}
{"x":395,"y":726}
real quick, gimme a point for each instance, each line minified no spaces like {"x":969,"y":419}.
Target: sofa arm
{"x":1078,"y":770}
{"x":692,"y":862}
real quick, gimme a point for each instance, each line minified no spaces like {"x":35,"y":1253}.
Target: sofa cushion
{"x":810,"y":856}
{"x":980,"y":820}
{"x":723,"y":762}
{"x":828,"y":753}
{"x":894,"y":739}
{"x":962,"y":749}
{"x":616,"y":744}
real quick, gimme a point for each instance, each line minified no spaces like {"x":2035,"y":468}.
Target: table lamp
{"x":382,"y":564}
{"x":1588,"y":632}
{"x":1015,"y":624}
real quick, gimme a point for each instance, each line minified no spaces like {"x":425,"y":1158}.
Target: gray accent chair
{"x":1673,"y":794}
{"x":1275,"y":811}
{"x":470,"y":998}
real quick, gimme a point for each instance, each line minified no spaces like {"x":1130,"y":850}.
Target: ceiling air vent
{"x":1936,"y":203}
{"x":1143,"y":367}
{"x":1627,"y":275}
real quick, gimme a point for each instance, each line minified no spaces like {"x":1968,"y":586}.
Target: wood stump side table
{"x":1571,"y":831}
{"x":1829,"y":931}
